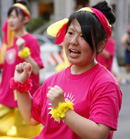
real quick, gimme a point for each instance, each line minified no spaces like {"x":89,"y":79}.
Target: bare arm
{"x":85,"y":128}
{"x":124,"y":41}
{"x":22,"y":74}
{"x":35,"y":67}
{"x":106,"y":54}
{"x":25,"y":105}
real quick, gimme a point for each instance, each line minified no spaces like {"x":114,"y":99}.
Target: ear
{"x":26,"y":19}
{"x":101,"y":45}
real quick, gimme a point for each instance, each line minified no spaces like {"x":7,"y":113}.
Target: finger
{"x":58,"y":88}
{"x":28,"y":67}
{"x":17,"y":67}
{"x":49,"y":88}
{"x":49,"y":95}
{"x":24,"y":63}
{"x":20,"y":67}
{"x":51,"y":91}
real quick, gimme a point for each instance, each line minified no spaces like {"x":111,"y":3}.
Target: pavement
{"x":123,"y":75}
{"x":123,"y":131}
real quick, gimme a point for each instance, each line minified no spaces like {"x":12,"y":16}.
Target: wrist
{"x":18,"y":86}
{"x":24,"y":53}
{"x":60,"y":112}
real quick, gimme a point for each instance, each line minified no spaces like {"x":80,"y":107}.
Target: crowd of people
{"x":81,"y":99}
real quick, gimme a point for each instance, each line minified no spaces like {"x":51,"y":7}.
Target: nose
{"x":74,"y":40}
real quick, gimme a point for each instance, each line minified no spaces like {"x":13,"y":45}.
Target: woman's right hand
{"x":20,"y":43}
{"x":22,"y":72}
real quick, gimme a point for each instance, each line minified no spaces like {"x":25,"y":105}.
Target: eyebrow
{"x":71,"y":28}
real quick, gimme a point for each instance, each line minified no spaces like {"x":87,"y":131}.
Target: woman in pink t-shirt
{"x":84,"y":100}
{"x":106,"y":57}
{"x":18,"y":46}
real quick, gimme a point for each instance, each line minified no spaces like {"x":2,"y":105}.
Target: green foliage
{"x":35,"y":23}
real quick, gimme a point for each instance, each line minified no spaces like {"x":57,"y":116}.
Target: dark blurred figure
{"x":125,"y":40}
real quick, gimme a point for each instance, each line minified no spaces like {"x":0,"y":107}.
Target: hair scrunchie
{"x":15,"y":85}
{"x":60,"y":111}
{"x":24,"y":53}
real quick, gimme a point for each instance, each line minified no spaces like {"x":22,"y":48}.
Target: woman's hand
{"x":20,"y":43}
{"x":55,"y":95}
{"x":22,"y":72}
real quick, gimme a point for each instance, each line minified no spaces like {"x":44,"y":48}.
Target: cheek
{"x":85,"y":46}
{"x":66,"y":38}
{"x":86,"y":49}
{"x":65,"y":48}
{"x":18,"y":21}
{"x":66,"y":41}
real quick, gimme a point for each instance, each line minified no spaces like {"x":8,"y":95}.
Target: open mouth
{"x":74,"y":51}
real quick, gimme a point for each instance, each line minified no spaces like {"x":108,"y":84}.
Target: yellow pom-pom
{"x":24,"y":53}
{"x":60,"y":111}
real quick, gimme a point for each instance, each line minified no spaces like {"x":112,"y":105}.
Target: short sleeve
{"x":106,"y":104}
{"x":37,"y":103}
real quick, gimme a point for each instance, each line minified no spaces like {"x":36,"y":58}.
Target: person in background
{"x":109,"y":60}
{"x":125,"y":41}
{"x":84,"y":100}
{"x":106,"y":57}
{"x":18,"y":46}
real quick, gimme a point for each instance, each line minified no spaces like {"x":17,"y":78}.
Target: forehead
{"x":75,"y":25}
{"x":14,"y":11}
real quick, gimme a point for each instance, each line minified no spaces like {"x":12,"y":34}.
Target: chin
{"x":13,"y":29}
{"x":74,"y":62}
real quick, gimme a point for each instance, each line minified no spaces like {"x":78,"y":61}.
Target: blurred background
{"x":45,"y":12}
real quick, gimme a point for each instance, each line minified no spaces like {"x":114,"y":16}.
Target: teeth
{"x":73,"y":51}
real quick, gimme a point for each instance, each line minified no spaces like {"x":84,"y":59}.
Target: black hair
{"x":19,"y":11}
{"x":92,"y":30}
{"x":106,"y":10}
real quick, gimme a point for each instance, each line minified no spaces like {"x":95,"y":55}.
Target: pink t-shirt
{"x":11,"y":60}
{"x":96,"y":96}
{"x":110,"y":48}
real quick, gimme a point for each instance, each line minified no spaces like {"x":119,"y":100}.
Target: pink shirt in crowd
{"x":110,"y":48}
{"x":11,"y":60}
{"x":96,"y":96}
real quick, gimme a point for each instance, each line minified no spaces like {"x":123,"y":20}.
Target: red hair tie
{"x":103,"y":21}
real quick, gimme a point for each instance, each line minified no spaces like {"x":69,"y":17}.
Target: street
{"x":123,"y":131}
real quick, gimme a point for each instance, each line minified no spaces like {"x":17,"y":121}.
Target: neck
{"x":20,"y":33}
{"x":81,"y":69}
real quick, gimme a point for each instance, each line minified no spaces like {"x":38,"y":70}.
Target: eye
{"x":70,"y":32}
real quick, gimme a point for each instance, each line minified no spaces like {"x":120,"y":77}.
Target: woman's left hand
{"x":55,"y":95}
